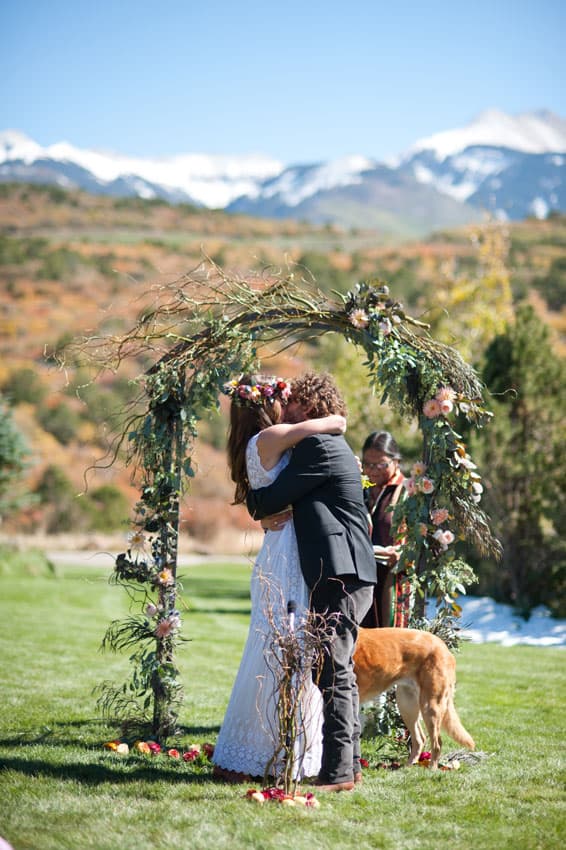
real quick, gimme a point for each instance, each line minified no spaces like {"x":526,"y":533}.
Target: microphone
{"x":291,"y":608}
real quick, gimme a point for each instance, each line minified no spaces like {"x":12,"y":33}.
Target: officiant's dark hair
{"x":382,"y":441}
{"x":245,"y":422}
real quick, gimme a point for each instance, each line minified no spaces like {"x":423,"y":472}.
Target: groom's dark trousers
{"x":322,"y":481}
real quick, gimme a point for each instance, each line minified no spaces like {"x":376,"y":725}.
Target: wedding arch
{"x":200,"y":332}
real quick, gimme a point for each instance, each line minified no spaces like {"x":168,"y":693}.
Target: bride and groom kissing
{"x":292,"y":466}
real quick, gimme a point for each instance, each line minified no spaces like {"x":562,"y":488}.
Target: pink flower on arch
{"x":167,"y":626}
{"x":409,"y":486}
{"x":418,"y":468}
{"x":439,"y":515}
{"x":165,"y":576}
{"x":445,"y":394}
{"x":431,"y":408}
{"x":427,"y":486}
{"x":445,"y":538}
{"x":446,"y":406}
{"x":163,"y":628}
{"x":359,"y":319}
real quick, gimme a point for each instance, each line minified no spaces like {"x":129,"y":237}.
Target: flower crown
{"x":246,"y":395}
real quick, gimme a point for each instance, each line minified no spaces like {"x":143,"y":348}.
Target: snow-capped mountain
{"x":511,"y":166}
{"x":529,"y":132}
{"x":506,"y":183}
{"x":371,"y":196}
{"x":212,"y":181}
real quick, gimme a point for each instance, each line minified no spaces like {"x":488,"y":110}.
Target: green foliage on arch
{"x":204,"y":329}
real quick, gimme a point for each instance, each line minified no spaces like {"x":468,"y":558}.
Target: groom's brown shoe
{"x":334,"y":786}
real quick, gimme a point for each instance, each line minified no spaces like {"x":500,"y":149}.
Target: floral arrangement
{"x":442,"y":496}
{"x":278,"y":795}
{"x":152,"y":584}
{"x":246,"y":395}
{"x":451,"y":762}
{"x":424,"y":761}
{"x":199,"y":754}
{"x":379,"y":313}
{"x":444,"y":489}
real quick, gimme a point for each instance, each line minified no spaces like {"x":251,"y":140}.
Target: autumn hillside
{"x":75,"y":264}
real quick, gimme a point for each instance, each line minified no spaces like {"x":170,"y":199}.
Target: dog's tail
{"x":452,"y":724}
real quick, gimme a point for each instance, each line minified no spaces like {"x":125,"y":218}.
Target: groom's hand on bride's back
{"x":276,"y":522}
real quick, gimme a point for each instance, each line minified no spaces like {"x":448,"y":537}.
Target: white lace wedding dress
{"x":247,"y":739}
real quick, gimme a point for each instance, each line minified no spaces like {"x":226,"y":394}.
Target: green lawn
{"x":59,"y":790}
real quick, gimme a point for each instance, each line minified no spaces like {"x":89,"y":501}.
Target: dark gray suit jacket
{"x":323,"y":483}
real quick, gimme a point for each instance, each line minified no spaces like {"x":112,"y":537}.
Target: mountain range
{"x":510,"y":166}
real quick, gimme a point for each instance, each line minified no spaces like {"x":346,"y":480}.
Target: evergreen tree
{"x":522,"y":460}
{"x":13,"y":452}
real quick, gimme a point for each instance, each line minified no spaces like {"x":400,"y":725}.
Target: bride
{"x":259,"y":445}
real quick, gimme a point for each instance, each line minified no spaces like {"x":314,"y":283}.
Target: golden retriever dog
{"x":424,"y":671}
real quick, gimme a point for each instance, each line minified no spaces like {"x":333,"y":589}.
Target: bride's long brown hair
{"x":246,"y":421}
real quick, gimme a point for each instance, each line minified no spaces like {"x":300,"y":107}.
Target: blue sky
{"x":298,"y":80}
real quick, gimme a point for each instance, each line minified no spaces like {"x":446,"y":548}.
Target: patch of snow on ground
{"x":486,"y":621}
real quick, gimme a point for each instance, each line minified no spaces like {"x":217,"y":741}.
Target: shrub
{"x":57,"y":351}
{"x":24,"y":385}
{"x":64,"y":511}
{"x":107,"y":508}
{"x":61,"y":421}
{"x":59,"y":263}
{"x":552,"y":287}
{"x":15,"y":251}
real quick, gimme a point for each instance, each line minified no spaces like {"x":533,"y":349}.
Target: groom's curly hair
{"x":318,"y":394}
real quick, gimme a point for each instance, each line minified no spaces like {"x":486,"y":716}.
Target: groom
{"x":323,"y":484}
